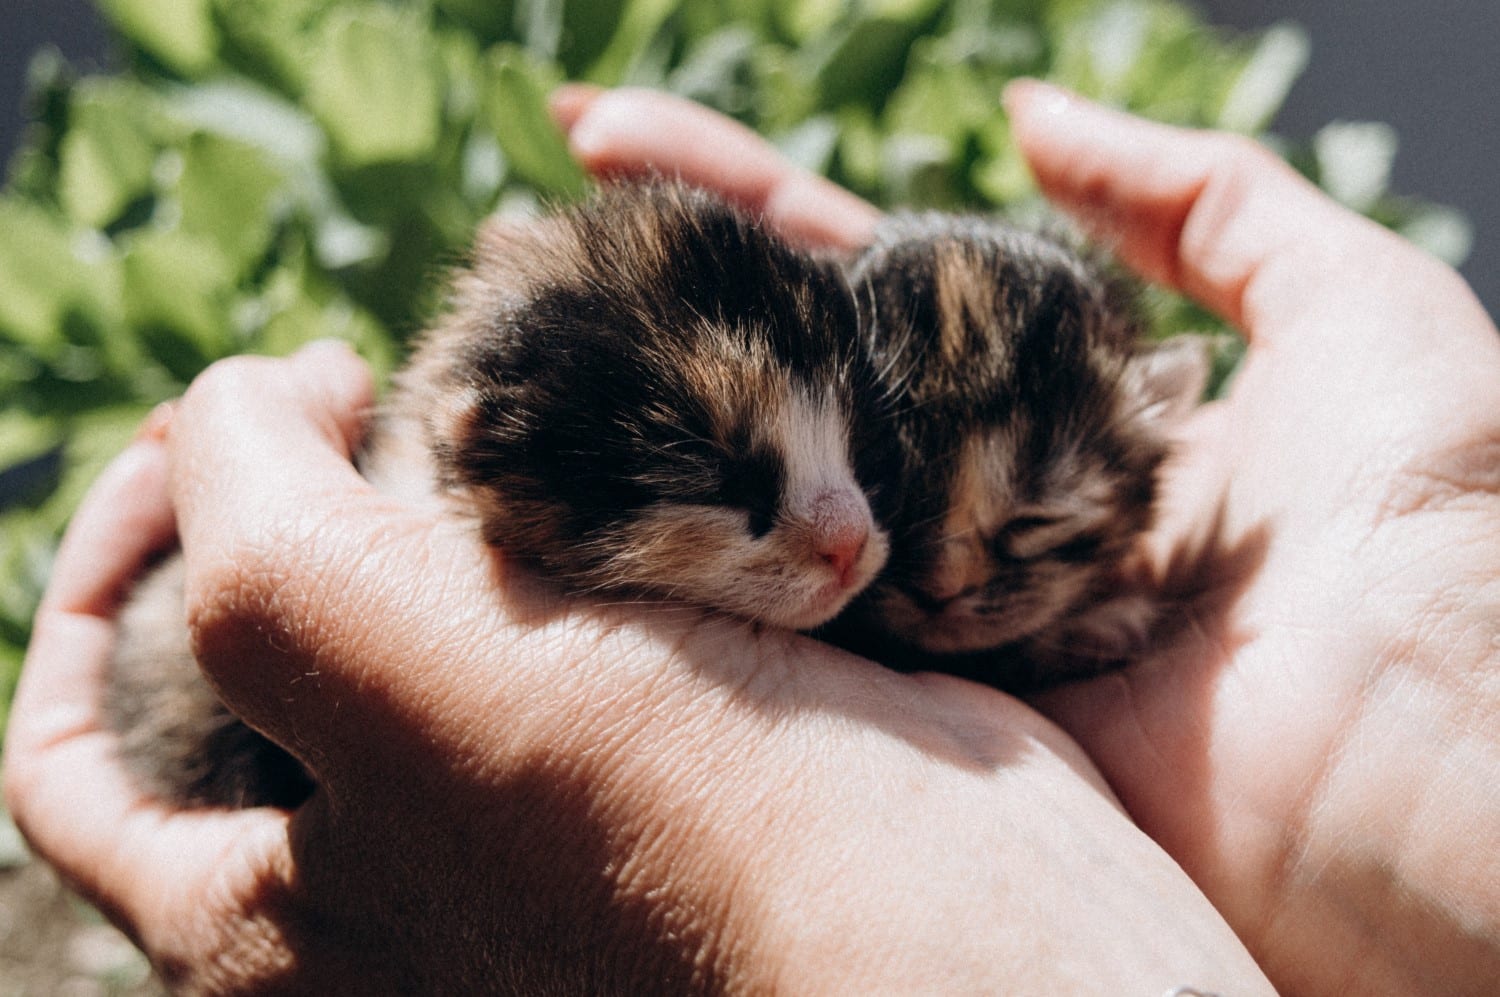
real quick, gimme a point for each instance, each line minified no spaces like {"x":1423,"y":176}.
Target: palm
{"x":1284,"y":742}
{"x":1326,"y":694}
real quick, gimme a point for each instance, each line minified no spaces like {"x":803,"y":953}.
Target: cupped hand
{"x":1317,"y":740}
{"x":523,"y":793}
{"x":1319,"y":743}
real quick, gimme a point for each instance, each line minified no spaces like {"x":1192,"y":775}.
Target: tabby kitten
{"x":1032,"y":420}
{"x":647,"y":395}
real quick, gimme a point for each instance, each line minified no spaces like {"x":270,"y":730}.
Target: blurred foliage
{"x":264,"y":172}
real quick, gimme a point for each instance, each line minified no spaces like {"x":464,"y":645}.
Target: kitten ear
{"x":1166,"y":380}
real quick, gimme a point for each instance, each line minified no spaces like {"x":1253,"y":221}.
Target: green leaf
{"x":1262,"y":86}
{"x":489,"y":20}
{"x":11,"y":655}
{"x":1443,"y":232}
{"x":283,"y":132}
{"x":947,"y":99}
{"x":1001,"y":173}
{"x":106,"y":155}
{"x":1354,"y":161}
{"x":39,"y":275}
{"x":719,"y":70}
{"x":863,"y":62}
{"x":228,"y":193}
{"x":96,"y":438}
{"x":54,"y":283}
{"x":811,"y":145}
{"x":26,"y":545}
{"x":377,"y":86}
{"x":274,"y":41}
{"x":588,"y":27}
{"x":859,"y":154}
{"x":804,"y":20}
{"x":1116,"y":42}
{"x":916,"y":170}
{"x":306,"y":320}
{"x":641,"y":21}
{"x":180,"y":34}
{"x":24,"y":437}
{"x":515,"y":105}
{"x":177,"y":290}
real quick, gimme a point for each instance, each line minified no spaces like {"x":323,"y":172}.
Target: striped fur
{"x":1032,"y":421}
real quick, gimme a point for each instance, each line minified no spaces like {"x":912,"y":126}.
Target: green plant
{"x":264,"y":172}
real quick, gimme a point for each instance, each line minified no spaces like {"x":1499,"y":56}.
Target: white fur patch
{"x":813,"y":438}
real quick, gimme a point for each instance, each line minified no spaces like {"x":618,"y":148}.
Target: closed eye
{"x":760,"y":522}
{"x":1026,"y":538}
{"x":1078,"y":550}
{"x":752,"y":480}
{"x":1033,"y":538}
{"x":1026,"y":524}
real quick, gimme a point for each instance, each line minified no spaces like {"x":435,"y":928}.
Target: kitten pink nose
{"x":840,"y":522}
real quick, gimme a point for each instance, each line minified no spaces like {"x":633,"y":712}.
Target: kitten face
{"x":1011,"y":553}
{"x":1031,"y":426}
{"x":769,"y":521}
{"x":671,"y":404}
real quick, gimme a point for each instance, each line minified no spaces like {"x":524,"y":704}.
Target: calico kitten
{"x":647,"y":395}
{"x":1032,"y":421}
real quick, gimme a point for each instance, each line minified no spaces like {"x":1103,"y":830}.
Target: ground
{"x":54,"y":945}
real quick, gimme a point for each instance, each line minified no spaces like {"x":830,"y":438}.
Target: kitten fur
{"x":1032,"y":421}
{"x":646,"y":395}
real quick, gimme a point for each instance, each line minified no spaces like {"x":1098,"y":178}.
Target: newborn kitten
{"x":1031,"y":421}
{"x":646,"y":395}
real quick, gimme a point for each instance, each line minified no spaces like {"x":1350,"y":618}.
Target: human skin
{"x":1317,"y":743}
{"x":1318,"y":740}
{"x":617,"y":800}
{"x":520,"y":794}
{"x":1320,"y":746}
{"x":524,"y":793}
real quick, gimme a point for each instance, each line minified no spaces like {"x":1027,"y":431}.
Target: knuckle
{"x":230,"y":597}
{"x":1242,"y":154}
{"x":224,"y":383}
{"x":17,"y":783}
{"x":251,"y":591}
{"x":1238,"y":166}
{"x":231,"y":944}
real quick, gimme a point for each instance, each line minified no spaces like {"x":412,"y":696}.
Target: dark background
{"x":1431,"y":68}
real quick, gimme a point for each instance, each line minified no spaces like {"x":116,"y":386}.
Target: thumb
{"x":1216,"y":216}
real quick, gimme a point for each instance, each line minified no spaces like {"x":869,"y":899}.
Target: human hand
{"x":1318,"y":745}
{"x":521,"y":793}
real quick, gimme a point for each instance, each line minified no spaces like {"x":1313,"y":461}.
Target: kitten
{"x":1032,"y":421}
{"x":650,"y":395}
{"x":647,"y":395}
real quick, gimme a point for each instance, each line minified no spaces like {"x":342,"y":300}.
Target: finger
{"x":126,"y":517}
{"x":261,"y":462}
{"x":298,"y":573}
{"x":245,"y":419}
{"x":634,"y":132}
{"x":1215,"y":215}
{"x":64,"y":784}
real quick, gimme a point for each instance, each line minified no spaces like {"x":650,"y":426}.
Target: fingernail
{"x":597,"y":130}
{"x":588,"y":136}
{"x":326,"y":347}
{"x":570,"y":102}
{"x":156,"y":425}
{"x":1028,"y":95}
